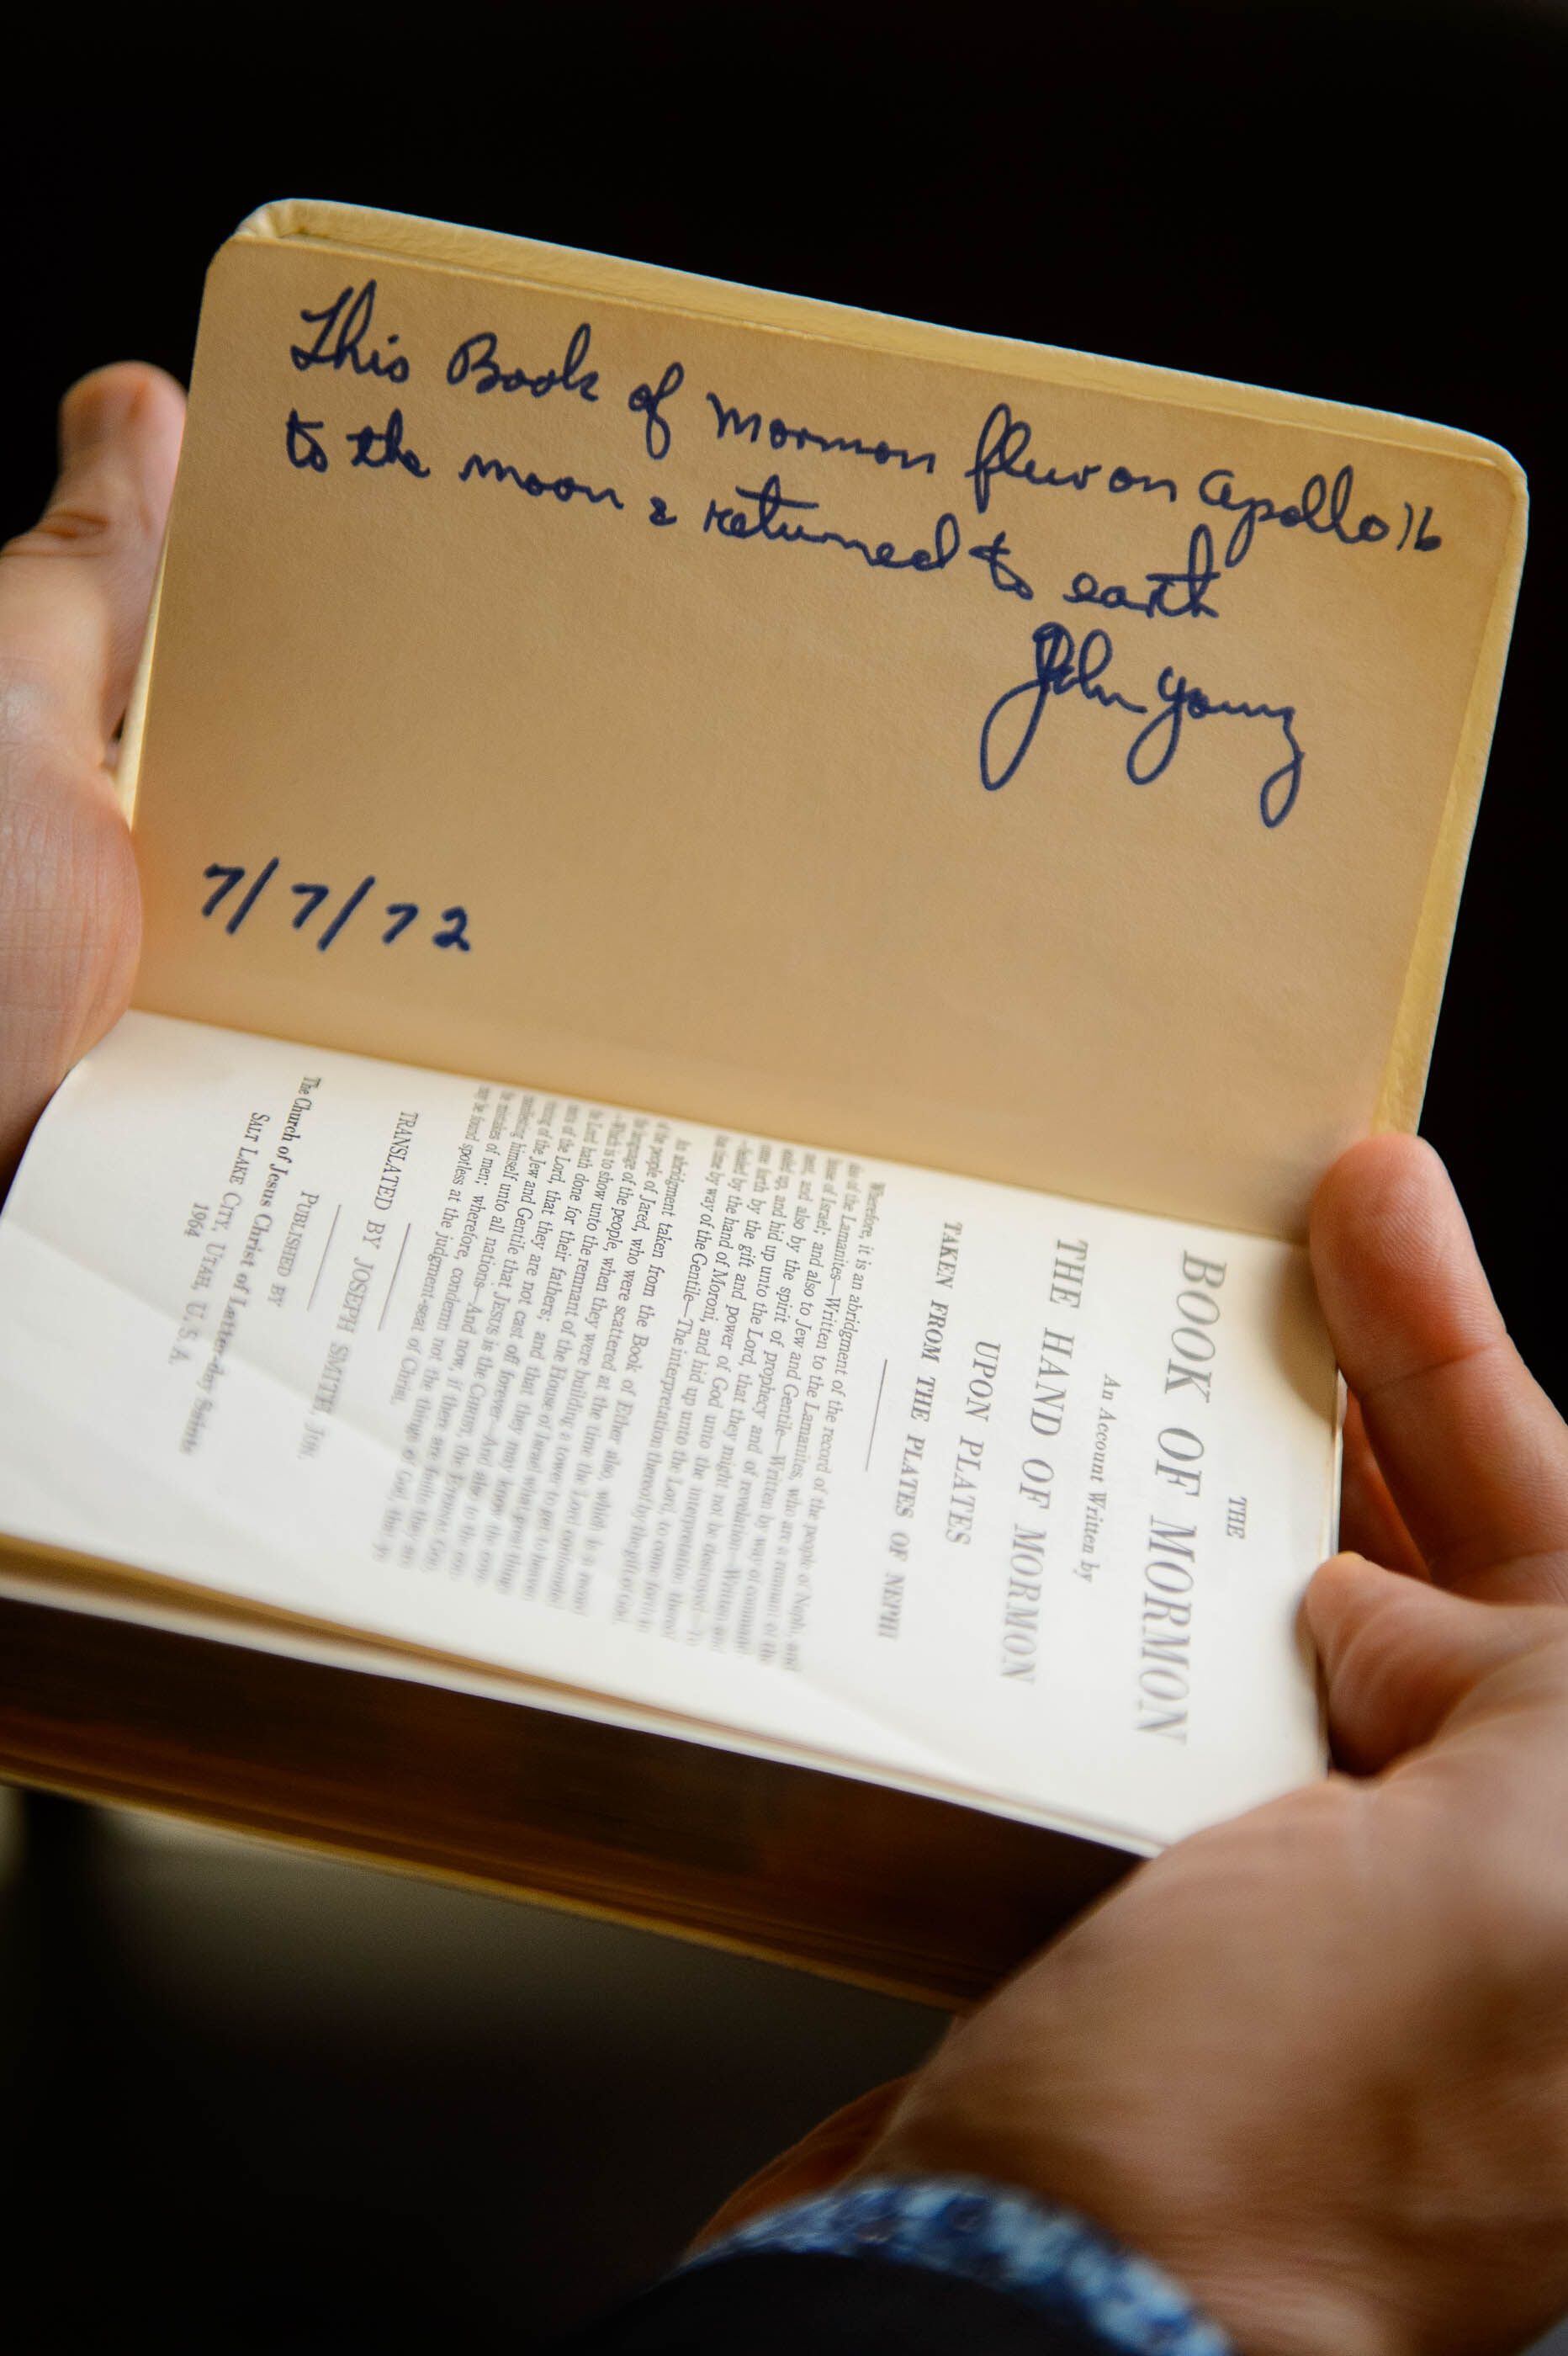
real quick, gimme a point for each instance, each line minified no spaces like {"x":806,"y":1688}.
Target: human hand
{"x":74,"y":594}
{"x":1316,"y":2061}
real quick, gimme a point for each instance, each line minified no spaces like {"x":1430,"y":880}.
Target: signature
{"x":1064,"y":667}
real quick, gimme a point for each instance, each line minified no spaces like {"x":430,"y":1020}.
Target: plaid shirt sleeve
{"x":1047,"y":2259}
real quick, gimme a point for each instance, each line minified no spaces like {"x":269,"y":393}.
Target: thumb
{"x":1398,"y":1654}
{"x":74,"y":591}
{"x":73,"y":605}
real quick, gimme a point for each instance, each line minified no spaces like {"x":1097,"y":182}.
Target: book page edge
{"x":58,"y":1581}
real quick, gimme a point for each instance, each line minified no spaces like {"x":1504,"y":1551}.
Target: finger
{"x":74,"y":591}
{"x":1371,"y":1524}
{"x":819,"y":2159}
{"x":1399,"y":1655}
{"x":1474,"y":1453}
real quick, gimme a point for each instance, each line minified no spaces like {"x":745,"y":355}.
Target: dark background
{"x":1359,"y":202}
{"x":1354,"y":202}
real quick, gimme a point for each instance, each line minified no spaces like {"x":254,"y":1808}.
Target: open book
{"x":685,"y":1289}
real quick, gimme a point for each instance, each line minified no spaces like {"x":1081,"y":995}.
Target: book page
{"x":1068,"y":767}
{"x":1008,"y":1496}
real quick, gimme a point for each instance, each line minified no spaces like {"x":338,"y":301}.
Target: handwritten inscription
{"x":1062,"y":668}
{"x":728,"y":420}
{"x":1002,"y":451}
{"x":1011,"y":473}
{"x":647,"y":401}
{"x":450,"y":933}
{"x":564,"y":488}
{"x":343,"y":338}
{"x":371,"y":446}
{"x":767,"y":515}
{"x":473,"y":363}
{"x":1320,"y":507}
{"x":1175,"y":595}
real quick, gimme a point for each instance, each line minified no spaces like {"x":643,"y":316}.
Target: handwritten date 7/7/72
{"x":451,"y":933}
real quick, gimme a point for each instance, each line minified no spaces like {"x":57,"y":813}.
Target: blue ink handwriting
{"x":779,"y":436}
{"x":1062,"y":668}
{"x":1001,"y":450}
{"x":647,"y":401}
{"x":301,"y":443}
{"x":1155,"y":747}
{"x":768,"y":523}
{"x":1189,"y":586}
{"x":341,"y":331}
{"x":564,"y":488}
{"x":451,"y":933}
{"x":475,"y":357}
{"x":1322,"y":508}
{"x":994,"y":554}
{"x":1425,"y":540}
{"x":383,"y":446}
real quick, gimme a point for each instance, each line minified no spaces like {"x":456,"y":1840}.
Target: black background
{"x":1353,"y":202}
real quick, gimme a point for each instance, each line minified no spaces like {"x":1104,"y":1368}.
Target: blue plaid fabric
{"x":1049,"y":2259}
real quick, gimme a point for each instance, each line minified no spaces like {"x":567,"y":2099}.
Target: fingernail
{"x":94,"y":410}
